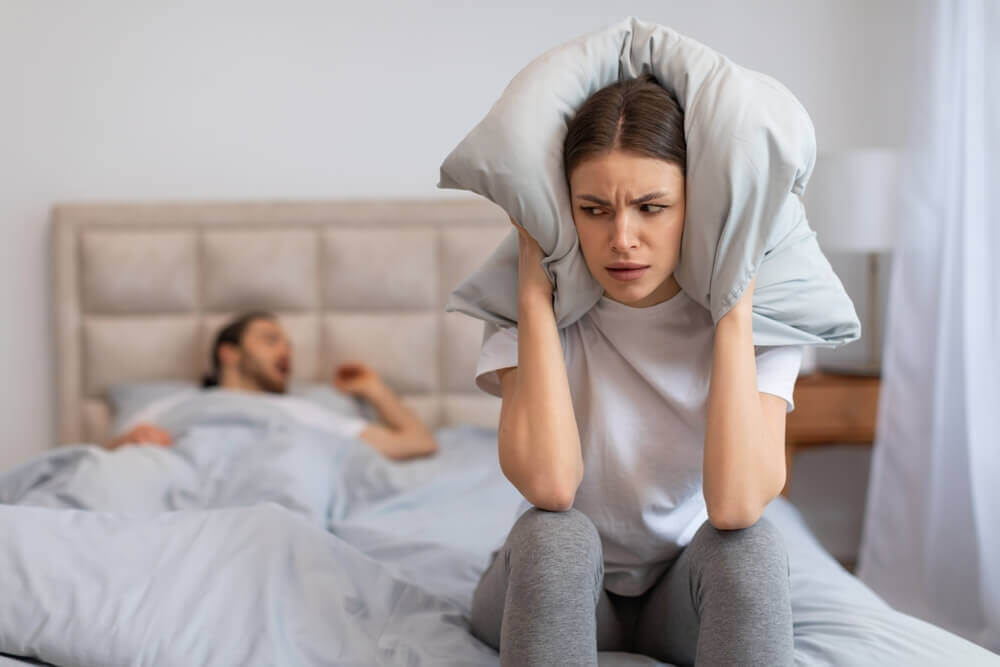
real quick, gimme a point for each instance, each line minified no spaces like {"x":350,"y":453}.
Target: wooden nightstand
{"x":830,"y":409}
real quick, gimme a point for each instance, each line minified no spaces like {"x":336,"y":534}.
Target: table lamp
{"x":852,"y":203}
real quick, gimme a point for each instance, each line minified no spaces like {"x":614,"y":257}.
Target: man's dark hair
{"x":231,"y":334}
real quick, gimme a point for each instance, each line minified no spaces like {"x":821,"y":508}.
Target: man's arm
{"x":403,"y":435}
{"x":144,"y":433}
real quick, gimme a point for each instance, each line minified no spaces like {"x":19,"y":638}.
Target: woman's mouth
{"x":627,"y":274}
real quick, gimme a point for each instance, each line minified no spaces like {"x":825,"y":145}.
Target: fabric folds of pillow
{"x":751,"y":150}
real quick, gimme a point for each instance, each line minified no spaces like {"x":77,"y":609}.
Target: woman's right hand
{"x":532,"y":281}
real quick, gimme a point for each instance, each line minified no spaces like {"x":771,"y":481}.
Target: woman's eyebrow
{"x":595,"y":199}
{"x":638,"y":200}
{"x":650,"y":197}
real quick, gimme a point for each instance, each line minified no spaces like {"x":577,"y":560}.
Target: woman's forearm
{"x":741,"y":474}
{"x":539,"y":441}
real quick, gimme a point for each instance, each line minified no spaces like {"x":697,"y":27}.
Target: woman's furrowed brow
{"x":638,"y":200}
{"x":649,"y":197}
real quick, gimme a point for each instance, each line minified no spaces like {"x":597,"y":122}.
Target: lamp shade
{"x":852,"y":199}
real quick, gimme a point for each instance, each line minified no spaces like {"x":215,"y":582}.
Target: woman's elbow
{"x":550,"y":491}
{"x":547,"y":482}
{"x":734,"y":518}
{"x":551,"y":497}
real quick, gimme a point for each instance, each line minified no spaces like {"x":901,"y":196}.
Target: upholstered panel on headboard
{"x":141,"y":289}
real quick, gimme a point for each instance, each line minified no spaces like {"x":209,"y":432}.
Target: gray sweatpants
{"x":724,"y":601}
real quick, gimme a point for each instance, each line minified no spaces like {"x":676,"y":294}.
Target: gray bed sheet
{"x":256,"y":541}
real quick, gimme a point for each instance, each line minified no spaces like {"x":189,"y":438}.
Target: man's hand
{"x":144,"y":434}
{"x":356,"y":378}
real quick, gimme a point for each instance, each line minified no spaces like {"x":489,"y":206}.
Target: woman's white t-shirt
{"x":639,"y":382}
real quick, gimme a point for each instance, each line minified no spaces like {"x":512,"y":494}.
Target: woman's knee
{"x":541,"y":530}
{"x":563,"y":543}
{"x":756,"y":548}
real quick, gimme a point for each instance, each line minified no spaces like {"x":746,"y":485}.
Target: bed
{"x":140,"y":290}
{"x":386,"y":576}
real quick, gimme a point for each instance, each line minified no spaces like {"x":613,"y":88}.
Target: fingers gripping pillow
{"x":750,"y":147}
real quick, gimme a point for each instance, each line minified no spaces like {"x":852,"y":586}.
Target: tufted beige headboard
{"x":140,"y":290}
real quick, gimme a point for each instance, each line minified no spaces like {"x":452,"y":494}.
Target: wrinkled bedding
{"x":256,"y":540}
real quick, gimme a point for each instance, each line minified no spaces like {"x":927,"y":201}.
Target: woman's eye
{"x":592,"y":210}
{"x":651,"y":208}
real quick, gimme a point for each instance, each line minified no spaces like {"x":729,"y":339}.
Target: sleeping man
{"x":253,"y":354}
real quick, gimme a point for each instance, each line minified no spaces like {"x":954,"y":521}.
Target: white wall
{"x":121,"y":99}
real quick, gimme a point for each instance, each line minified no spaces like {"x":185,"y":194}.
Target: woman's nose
{"x":624,"y":237}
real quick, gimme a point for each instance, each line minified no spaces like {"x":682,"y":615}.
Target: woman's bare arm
{"x":538,"y":437}
{"x":744,"y":461}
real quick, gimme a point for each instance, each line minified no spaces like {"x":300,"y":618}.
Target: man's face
{"x":265,"y":358}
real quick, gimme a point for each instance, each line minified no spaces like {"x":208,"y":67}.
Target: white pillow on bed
{"x":127,"y":399}
{"x":328,"y":396}
{"x":751,"y":149}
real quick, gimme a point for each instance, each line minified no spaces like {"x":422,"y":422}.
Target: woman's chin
{"x":627,"y":295}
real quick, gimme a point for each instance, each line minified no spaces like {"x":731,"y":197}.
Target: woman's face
{"x":629,"y":211}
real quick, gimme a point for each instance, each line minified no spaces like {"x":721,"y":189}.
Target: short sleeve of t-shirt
{"x":777,"y":369}
{"x":499,"y":350}
{"x":777,"y":365}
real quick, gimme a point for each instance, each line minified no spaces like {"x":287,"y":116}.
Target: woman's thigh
{"x":565,"y":560}
{"x":726,"y":600}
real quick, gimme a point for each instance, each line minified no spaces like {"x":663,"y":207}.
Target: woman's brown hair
{"x":638,"y":116}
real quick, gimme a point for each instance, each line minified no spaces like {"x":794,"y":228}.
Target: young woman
{"x":647,"y":439}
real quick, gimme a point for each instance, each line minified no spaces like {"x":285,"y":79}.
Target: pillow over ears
{"x":751,"y":148}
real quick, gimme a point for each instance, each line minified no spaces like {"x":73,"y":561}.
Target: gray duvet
{"x":257,"y":541}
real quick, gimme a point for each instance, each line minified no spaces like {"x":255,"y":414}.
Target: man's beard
{"x":251,"y":370}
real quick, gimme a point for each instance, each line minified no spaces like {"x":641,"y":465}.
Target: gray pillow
{"x":751,"y":149}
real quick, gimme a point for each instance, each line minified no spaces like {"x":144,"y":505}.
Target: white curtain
{"x":931,"y":537}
